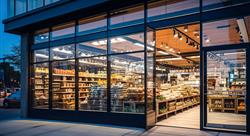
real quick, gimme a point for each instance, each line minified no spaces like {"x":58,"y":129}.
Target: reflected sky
{"x":6,"y":40}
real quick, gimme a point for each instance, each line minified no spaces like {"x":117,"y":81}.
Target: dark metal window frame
{"x":200,"y":18}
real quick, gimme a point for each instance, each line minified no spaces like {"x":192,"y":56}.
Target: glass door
{"x":150,"y":74}
{"x":225,"y":85}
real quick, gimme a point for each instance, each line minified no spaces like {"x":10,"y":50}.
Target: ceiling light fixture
{"x":185,"y":28}
{"x":162,"y":52}
{"x":62,"y":51}
{"x":175,"y":34}
{"x":180,"y":58}
{"x":207,"y":40}
{"x":180,"y":37}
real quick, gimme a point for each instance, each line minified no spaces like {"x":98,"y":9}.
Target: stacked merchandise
{"x":168,"y":92}
{"x":117,"y":95}
{"x":97,"y":98}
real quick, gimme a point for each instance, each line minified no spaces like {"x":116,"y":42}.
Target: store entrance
{"x":178,"y":76}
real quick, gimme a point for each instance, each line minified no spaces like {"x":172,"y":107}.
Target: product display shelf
{"x":165,"y":108}
{"x":226,"y":104}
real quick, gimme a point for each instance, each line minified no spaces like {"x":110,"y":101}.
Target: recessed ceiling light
{"x":185,"y":28}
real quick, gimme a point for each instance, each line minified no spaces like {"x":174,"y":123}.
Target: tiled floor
{"x":191,"y":119}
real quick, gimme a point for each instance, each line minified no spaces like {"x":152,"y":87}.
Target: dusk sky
{"x":6,"y":40}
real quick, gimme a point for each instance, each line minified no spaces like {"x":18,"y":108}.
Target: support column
{"x":24,"y":75}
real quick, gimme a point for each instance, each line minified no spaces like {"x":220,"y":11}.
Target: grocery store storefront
{"x":146,"y":64}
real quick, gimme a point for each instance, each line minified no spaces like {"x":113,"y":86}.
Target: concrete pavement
{"x":28,"y":127}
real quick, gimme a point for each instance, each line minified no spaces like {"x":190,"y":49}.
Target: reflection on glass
{"x":171,"y":8}
{"x":127,"y":83}
{"x":128,"y":17}
{"x":20,"y":6}
{"x":10,"y":8}
{"x":93,"y":84}
{"x":33,"y":4}
{"x":92,"y":48}
{"x":127,"y":43}
{"x":50,"y":1}
{"x":226,"y":89}
{"x":62,"y":52}
{"x":150,"y":69}
{"x":41,"y":36}
{"x":92,"y":25}
{"x":63,"y":85}
{"x":40,"y":85}
{"x":63,"y":31}
{"x":41,"y":55}
{"x":215,"y":4}
{"x":230,"y":31}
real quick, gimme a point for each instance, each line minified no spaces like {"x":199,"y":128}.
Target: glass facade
{"x":92,"y":25}
{"x":92,"y":48}
{"x":20,"y":6}
{"x":165,"y":9}
{"x":33,"y":4}
{"x":226,"y":32}
{"x":127,"y":83}
{"x":40,"y":88}
{"x":16,"y":7}
{"x":107,"y":65}
{"x":127,"y":43}
{"x":128,"y":17}
{"x":228,"y":94}
{"x":66,"y":30}
{"x":92,"y":83}
{"x":41,"y":36}
{"x":63,"y":85}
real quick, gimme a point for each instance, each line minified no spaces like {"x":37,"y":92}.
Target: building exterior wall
{"x":138,"y":25}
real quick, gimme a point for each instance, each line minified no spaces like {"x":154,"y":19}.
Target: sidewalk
{"x":30,"y":127}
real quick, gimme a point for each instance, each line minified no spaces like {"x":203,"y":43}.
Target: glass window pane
{"x":92,"y":25}
{"x":171,"y":8}
{"x":41,"y":55}
{"x":93,"y":84}
{"x":127,"y":43}
{"x":223,"y":32}
{"x":33,"y":4}
{"x":63,"y":52}
{"x":20,"y":6}
{"x":41,"y":36}
{"x":10,"y":8}
{"x":150,"y":69}
{"x":40,"y":85}
{"x":50,"y":1}
{"x":63,"y":31}
{"x":92,"y":48}
{"x":63,"y":85}
{"x":215,"y":4}
{"x":128,"y":17}
{"x":226,"y":89}
{"x":127,"y":83}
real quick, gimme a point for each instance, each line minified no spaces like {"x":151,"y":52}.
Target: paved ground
{"x":12,"y":125}
{"x":26,"y":127}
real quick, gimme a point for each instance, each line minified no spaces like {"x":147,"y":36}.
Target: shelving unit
{"x":226,"y":104}
{"x":166,"y":108}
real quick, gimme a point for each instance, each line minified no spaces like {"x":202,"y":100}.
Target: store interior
{"x":177,"y":76}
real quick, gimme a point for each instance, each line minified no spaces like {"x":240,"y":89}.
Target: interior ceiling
{"x":184,"y":55}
